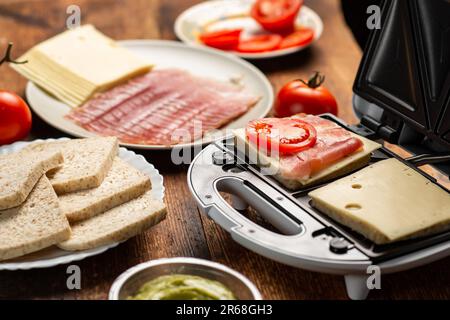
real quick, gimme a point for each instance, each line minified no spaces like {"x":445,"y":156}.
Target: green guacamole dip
{"x":183,"y":287}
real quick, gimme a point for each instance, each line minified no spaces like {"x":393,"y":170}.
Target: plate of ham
{"x":191,"y":97}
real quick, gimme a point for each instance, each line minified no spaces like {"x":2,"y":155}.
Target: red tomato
{"x":297,"y":38}
{"x":222,"y":39}
{"x":300,"y":97}
{"x":15,"y":118}
{"x":287,"y":135}
{"x":260,"y":43}
{"x":276,"y":15}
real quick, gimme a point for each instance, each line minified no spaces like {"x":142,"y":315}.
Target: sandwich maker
{"x":401,"y":95}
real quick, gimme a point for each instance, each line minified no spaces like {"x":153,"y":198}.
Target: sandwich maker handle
{"x":422,"y":159}
{"x":265,"y":207}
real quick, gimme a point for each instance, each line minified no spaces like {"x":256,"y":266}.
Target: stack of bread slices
{"x":76,"y":194}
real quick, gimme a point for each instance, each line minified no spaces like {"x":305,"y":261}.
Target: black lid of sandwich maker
{"x":402,"y":89}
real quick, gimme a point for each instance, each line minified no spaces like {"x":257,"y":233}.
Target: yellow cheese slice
{"x":53,"y":73}
{"x":63,"y":96}
{"x":271,"y":165}
{"x":77,"y":63}
{"x":51,"y":81}
{"x":89,"y":54}
{"x":386,"y":202}
{"x":41,"y":62}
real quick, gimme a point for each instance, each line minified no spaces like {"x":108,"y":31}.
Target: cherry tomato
{"x":287,"y":135}
{"x":222,"y":39}
{"x":305,"y":97}
{"x":297,"y":38}
{"x":15,"y":118}
{"x":260,"y":43}
{"x":276,"y":15}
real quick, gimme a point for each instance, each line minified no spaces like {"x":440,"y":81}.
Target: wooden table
{"x":186,"y":232}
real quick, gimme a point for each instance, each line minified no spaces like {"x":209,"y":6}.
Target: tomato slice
{"x":297,"y":38}
{"x":276,"y":15}
{"x":286,"y":135}
{"x":260,"y":43}
{"x":221,"y":39}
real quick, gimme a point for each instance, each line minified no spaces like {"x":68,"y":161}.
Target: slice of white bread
{"x":20,"y":171}
{"x":271,"y":165}
{"x":35,"y":224}
{"x":122,"y":183}
{"x":86,"y":162}
{"x":117,"y":224}
{"x":386,"y":202}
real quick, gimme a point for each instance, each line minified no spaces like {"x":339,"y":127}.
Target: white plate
{"x":199,"y":61}
{"x":216,"y":14}
{"x":53,"y":256}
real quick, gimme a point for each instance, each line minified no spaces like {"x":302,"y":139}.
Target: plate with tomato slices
{"x":251,"y":29}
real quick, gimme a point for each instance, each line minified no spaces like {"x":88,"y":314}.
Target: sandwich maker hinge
{"x":387,"y":128}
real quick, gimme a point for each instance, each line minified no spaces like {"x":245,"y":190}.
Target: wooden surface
{"x":186,"y":232}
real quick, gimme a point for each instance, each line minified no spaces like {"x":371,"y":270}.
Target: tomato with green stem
{"x":309,"y":97}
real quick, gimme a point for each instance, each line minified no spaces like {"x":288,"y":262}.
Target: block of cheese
{"x":272,"y":165}
{"x":386,"y":202}
{"x":78,"y":63}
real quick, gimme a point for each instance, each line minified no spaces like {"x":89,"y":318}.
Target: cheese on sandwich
{"x":386,"y":202}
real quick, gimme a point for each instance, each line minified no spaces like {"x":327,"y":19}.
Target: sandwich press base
{"x":401,"y":95}
{"x":224,"y":186}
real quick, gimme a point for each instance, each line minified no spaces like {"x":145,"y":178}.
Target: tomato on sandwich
{"x":285,"y":136}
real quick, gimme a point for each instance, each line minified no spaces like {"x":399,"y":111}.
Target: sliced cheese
{"x":68,"y":98}
{"x":272,"y":165}
{"x":386,"y":202}
{"x":78,"y":63}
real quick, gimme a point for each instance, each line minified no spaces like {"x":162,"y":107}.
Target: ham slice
{"x":163,"y":107}
{"x":333,"y":144}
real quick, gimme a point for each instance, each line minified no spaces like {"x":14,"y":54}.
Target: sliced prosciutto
{"x":163,"y":107}
{"x":332,"y":143}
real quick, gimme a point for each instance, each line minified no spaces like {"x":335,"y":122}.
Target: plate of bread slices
{"x":63,"y":200}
